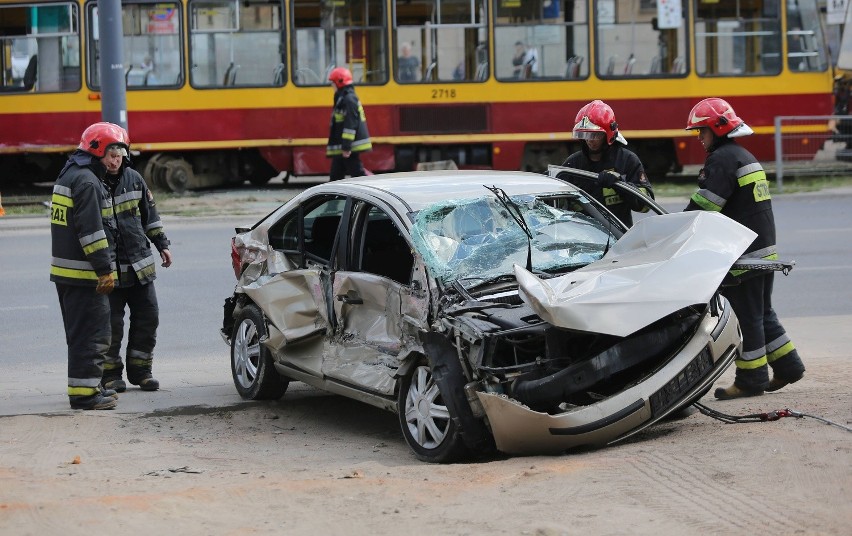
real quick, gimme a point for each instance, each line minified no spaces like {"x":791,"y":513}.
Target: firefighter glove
{"x":105,"y":284}
{"x":607,"y":178}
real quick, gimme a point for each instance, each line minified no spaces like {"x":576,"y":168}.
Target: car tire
{"x":427,"y":422}
{"x":252,"y":367}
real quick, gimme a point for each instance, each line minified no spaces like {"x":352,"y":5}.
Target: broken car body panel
{"x":501,"y":308}
{"x":662,"y":264}
{"x":518,"y":430}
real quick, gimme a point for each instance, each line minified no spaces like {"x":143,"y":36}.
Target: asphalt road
{"x":192,"y":361}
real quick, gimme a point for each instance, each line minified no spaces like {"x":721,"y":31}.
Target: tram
{"x":223,"y":91}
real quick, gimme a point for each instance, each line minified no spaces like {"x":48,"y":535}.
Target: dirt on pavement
{"x":314,"y":463}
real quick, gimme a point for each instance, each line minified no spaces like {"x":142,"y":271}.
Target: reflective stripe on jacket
{"x":348,"y":129}
{"x":734,"y":183}
{"x":81,"y":224}
{"x":138,"y":225}
{"x":624,"y":162}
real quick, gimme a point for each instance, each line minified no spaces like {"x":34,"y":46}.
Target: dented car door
{"x":378,"y":307}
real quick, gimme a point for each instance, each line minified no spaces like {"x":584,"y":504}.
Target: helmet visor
{"x":116,"y":150}
{"x":587,"y":135}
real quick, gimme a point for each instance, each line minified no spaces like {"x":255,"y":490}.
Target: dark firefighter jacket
{"x":138,"y":223}
{"x":624,"y":162}
{"x":348,"y":130}
{"x":81,"y":223}
{"x":733,"y":182}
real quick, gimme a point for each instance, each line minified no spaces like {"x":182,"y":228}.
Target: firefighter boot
{"x":144,"y":380}
{"x":778,"y":381}
{"x":114,"y":384}
{"x":108,"y":393}
{"x":747,"y":382}
{"x":786,"y":369}
{"x":735,"y":391}
{"x":96,"y":402}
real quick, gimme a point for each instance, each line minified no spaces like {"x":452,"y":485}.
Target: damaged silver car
{"x":490,"y":310}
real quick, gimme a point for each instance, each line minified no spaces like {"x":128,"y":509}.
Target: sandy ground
{"x":316,"y":464}
{"x":313,"y":463}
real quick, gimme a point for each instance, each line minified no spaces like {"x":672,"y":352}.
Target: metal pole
{"x":113,"y":88}
{"x":779,"y":155}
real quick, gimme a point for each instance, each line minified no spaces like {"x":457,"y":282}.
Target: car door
{"x":379,"y":302}
{"x":295,"y":300}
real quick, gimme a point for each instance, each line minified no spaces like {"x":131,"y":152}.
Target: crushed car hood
{"x":662,"y":264}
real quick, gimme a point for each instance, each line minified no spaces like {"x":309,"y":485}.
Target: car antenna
{"x":514,"y":211}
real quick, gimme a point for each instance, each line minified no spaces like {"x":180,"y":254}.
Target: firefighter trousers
{"x":85,"y":315}
{"x":765,"y":343}
{"x":352,"y":166}
{"x":141,"y":300}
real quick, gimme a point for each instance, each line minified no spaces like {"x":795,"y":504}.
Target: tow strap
{"x":761,"y":417}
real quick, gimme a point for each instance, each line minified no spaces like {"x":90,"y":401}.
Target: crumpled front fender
{"x":519,"y":430}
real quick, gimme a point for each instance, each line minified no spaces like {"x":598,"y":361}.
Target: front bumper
{"x":520,"y":430}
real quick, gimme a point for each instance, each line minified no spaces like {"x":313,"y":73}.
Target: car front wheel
{"x":254,"y":374}
{"x":427,"y":425}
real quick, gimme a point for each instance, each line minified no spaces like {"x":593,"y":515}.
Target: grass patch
{"x":25,"y":206}
{"x":813,"y":184}
{"x":220,"y":203}
{"x":685,"y":187}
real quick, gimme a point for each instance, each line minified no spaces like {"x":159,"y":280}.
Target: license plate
{"x":683,"y":382}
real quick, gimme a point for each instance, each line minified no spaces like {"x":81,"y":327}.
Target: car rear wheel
{"x":254,"y":374}
{"x":427,"y":424}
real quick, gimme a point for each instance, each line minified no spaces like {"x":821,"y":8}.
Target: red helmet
{"x":717,"y":115}
{"x":340,"y":77}
{"x":597,"y":118}
{"x":99,"y":136}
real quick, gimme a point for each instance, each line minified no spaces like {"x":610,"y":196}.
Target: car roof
{"x":420,"y":189}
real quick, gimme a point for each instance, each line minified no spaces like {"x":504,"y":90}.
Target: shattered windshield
{"x":478,"y":239}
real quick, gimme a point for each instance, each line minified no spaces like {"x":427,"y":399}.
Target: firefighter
{"x":595,"y":124}
{"x":733,"y":182}
{"x":138,"y":225}
{"x":348,"y":135}
{"x":83,"y":266}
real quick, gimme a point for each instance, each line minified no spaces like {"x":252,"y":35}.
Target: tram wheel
{"x":179,"y":175}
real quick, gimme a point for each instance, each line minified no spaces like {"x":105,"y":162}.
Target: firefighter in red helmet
{"x":734,"y":183}
{"x":348,"y":136}
{"x":604,"y":152}
{"x":138,"y":226}
{"x":82,"y":229}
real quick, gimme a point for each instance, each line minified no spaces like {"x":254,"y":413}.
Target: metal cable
{"x":762,"y":417}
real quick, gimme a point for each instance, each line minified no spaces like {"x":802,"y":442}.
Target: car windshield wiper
{"x":515,"y":212}
{"x":485,"y":280}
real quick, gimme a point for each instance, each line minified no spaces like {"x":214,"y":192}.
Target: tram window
{"x":236,"y":43}
{"x":41,"y":48}
{"x":151,"y":42}
{"x":541,"y":40}
{"x":339,"y":34}
{"x":640,"y":39}
{"x":448,"y":38}
{"x":738,"y":38}
{"x":805,"y":50}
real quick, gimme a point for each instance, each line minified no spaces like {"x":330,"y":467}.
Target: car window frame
{"x":301,"y":251}
{"x":358,"y":223}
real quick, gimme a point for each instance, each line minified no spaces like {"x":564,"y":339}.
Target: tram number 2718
{"x":443,"y":93}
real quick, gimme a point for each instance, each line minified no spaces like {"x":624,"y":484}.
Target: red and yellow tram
{"x":221,"y":91}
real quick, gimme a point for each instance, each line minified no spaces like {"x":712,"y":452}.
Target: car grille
{"x":683,"y":382}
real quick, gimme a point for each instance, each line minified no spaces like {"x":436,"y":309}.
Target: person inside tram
{"x":409,"y":65}
{"x":525,"y":61}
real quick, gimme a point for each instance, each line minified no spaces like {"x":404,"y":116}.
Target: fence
{"x":812,"y":145}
